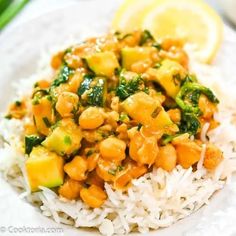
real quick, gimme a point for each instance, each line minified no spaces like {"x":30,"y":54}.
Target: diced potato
{"x":103,"y":63}
{"x":43,"y":115}
{"x":137,"y":170}
{"x":147,"y":111}
{"x":143,"y":150}
{"x":123,"y":180}
{"x":44,"y":168}
{"x":208,"y":108}
{"x":70,"y":189}
{"x":188,"y":153}
{"x":77,"y":168}
{"x":169,"y":76}
{"x":124,"y":177}
{"x":64,"y":139}
{"x":133,"y":55}
{"x":93,"y":196}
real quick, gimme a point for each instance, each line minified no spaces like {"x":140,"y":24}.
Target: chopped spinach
{"x":96,"y":96}
{"x":32,"y":141}
{"x":129,"y":87}
{"x":95,"y":89}
{"x":89,"y":152}
{"x":18,"y":103}
{"x":114,"y":171}
{"x":63,"y":75}
{"x":189,"y":123}
{"x":120,"y":36}
{"x":139,"y":126}
{"x":47,"y":122}
{"x":85,"y":85}
{"x":9,"y":116}
{"x":157,"y":46}
{"x":157,"y":65}
{"x":124,"y":117}
{"x":67,"y":140}
{"x":146,"y":36}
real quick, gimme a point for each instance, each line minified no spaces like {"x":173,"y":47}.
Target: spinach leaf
{"x":189,"y":123}
{"x":188,"y":96}
{"x":187,"y":99}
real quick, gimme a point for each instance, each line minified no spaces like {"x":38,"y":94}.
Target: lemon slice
{"x":191,"y":20}
{"x":129,"y":15}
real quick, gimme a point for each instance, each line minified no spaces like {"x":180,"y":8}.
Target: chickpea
{"x":77,"y":168}
{"x":104,"y":170}
{"x":175,"y":115}
{"x":93,"y":196}
{"x":30,"y":129}
{"x":57,"y":60}
{"x":115,"y":104}
{"x":143,"y":150}
{"x":112,"y":149}
{"x":73,"y":61}
{"x":43,"y":84}
{"x":112,"y":118}
{"x":91,"y":118}
{"x":132,"y":132}
{"x":213,"y":157}
{"x":75,"y":81}
{"x":188,"y":153}
{"x":67,"y":103}
{"x":208,"y":108}
{"x":167,"y":43}
{"x":122,"y":130}
{"x":141,"y":66}
{"x":166,"y":158}
{"x":70,"y":189}
{"x":131,"y":40}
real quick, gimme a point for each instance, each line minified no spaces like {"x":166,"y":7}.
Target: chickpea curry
{"x":116,"y":107}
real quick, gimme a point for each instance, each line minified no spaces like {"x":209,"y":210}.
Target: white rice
{"x":155,"y":200}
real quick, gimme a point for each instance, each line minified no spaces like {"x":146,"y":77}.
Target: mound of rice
{"x":155,"y":200}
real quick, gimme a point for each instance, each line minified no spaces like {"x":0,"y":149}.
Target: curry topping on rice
{"x":116,"y":107}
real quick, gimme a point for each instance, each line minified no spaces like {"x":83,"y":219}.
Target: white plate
{"x":20,"y":50}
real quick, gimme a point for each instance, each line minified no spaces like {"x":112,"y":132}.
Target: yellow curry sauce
{"x":116,"y":107}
